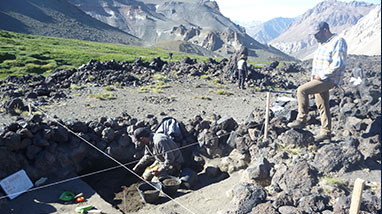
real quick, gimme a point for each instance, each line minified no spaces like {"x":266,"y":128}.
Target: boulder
{"x":245,"y":196}
{"x":61,"y":134}
{"x":11,"y":140}
{"x":370,"y":148}
{"x":355,"y":125}
{"x":339,"y":157}
{"x":289,"y":210}
{"x":32,"y":151}
{"x":297,"y":137}
{"x":282,"y":199}
{"x":108,"y":134}
{"x":209,"y":143}
{"x":296,"y":180}
{"x":10,"y":162}
{"x":14,"y":106}
{"x":314,"y":202}
{"x":227,"y":123}
{"x":234,"y":162}
{"x":264,"y":208}
{"x":259,"y":172}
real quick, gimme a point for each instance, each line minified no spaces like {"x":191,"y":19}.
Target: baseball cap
{"x":141,"y":132}
{"x":319,"y":27}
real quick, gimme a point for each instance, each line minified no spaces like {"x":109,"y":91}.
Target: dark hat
{"x":319,"y":27}
{"x":141,"y":132}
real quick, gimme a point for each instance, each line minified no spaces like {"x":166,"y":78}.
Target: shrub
{"x":103,"y":96}
{"x":223,"y":92}
{"x":6,"y":56}
{"x":109,"y":88}
{"x":74,"y":87}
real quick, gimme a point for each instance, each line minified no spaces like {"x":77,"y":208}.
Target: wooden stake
{"x":356,"y":196}
{"x":267,"y":116}
{"x":30,"y":108}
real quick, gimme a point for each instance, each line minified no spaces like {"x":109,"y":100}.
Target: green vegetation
{"x":205,"y":77}
{"x":109,"y":88}
{"x":160,"y":78}
{"x":156,"y":88}
{"x":103,"y":96}
{"x":223,"y":92}
{"x":332,"y":181}
{"x":74,"y":87}
{"x":257,"y":89}
{"x":173,"y":74}
{"x":54,"y":105}
{"x":293,"y":151}
{"x":264,"y":64}
{"x":218,"y":83}
{"x":22,"y":54}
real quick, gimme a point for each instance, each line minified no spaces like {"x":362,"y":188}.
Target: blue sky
{"x":264,"y":10}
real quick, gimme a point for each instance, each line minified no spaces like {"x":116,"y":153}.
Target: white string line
{"x":89,"y":174}
{"x":120,"y":164}
{"x":100,"y":171}
{"x":113,"y":159}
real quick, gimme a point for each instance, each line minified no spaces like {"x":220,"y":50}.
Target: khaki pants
{"x":321,"y":91}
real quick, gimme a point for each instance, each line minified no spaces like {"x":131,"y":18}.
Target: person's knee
{"x":300,"y":91}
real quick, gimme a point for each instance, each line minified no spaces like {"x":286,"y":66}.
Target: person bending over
{"x":162,"y":149}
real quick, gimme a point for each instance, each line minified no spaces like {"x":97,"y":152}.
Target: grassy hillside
{"x":21,"y":54}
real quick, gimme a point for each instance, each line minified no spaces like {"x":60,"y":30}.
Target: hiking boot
{"x":322,"y":137}
{"x":297,"y":124}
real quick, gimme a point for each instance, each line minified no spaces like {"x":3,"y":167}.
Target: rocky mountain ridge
{"x":165,"y":20}
{"x":269,"y":30}
{"x":297,"y":41}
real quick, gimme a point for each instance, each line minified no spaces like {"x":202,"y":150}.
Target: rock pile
{"x":286,"y":173}
{"x":138,"y":73}
{"x":281,"y":174}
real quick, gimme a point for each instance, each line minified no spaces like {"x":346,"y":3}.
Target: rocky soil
{"x":288,"y":173}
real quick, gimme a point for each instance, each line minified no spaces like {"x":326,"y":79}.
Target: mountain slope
{"x":269,"y":30}
{"x":193,"y":21}
{"x":138,"y":17}
{"x":57,"y":18}
{"x":297,"y":41}
{"x":364,"y":38}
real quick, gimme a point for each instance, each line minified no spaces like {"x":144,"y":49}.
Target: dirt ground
{"x":182,"y":100}
{"x":114,"y":191}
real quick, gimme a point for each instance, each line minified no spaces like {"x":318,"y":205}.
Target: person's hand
{"x":155,"y":172}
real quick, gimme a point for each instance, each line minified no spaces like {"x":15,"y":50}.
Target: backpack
{"x":172,"y":128}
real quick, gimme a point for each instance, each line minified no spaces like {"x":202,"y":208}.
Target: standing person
{"x":356,"y":75}
{"x":158,"y":147}
{"x":356,"y":80}
{"x":328,"y":68}
{"x":358,"y":84}
{"x":242,"y":69}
